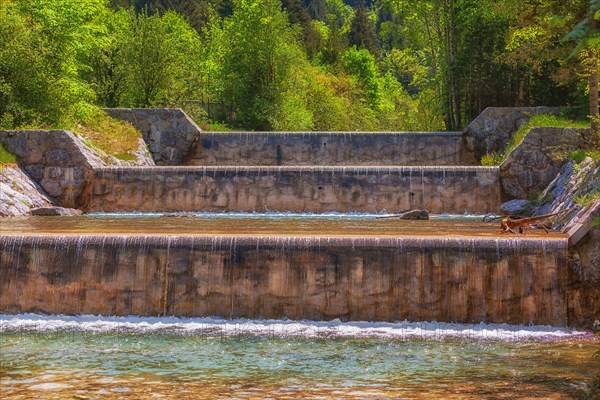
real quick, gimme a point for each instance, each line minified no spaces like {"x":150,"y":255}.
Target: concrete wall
{"x":57,"y":160}
{"x":296,"y":189}
{"x":331,"y":148}
{"x":518,"y":281}
{"x":170,"y":134}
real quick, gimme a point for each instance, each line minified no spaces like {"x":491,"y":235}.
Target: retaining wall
{"x":296,"y":189}
{"x":331,"y":148}
{"x":170,"y":134}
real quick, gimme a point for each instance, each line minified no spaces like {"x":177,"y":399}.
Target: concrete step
{"x":296,"y":189}
{"x":330,"y":148}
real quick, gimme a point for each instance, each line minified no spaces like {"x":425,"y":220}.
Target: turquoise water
{"x":90,"y":357}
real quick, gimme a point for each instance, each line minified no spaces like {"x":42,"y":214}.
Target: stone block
{"x":576,"y":233}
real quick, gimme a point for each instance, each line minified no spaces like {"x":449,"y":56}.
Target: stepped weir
{"x":300,"y":267}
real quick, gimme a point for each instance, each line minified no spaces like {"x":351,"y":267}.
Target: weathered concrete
{"x":170,"y":134}
{"x":495,"y":126}
{"x":19,"y":193}
{"x":518,"y":281}
{"x":331,"y":148}
{"x":583,"y":295}
{"x":57,"y":160}
{"x":297,"y":189}
{"x":534,"y":164}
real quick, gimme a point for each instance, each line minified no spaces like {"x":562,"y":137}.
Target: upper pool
{"x":264,"y":224}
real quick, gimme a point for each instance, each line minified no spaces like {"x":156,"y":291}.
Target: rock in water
{"x":517,"y":207}
{"x":55,"y":211}
{"x":415,"y":214}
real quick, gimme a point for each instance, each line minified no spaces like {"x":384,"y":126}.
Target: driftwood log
{"x":508,"y":224}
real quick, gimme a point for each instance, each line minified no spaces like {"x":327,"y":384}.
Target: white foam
{"x":284,"y":328}
{"x":49,"y":386}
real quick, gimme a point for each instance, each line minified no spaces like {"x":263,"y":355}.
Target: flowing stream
{"x":126,"y":357}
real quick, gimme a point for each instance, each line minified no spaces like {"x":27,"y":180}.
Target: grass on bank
{"x":548,"y":120}
{"x":97,"y":130}
{"x":117,"y":138}
{"x":6,"y":157}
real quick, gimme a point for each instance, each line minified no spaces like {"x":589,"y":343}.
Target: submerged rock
{"x":416,"y":214}
{"x":55,"y":211}
{"x":180,"y":215}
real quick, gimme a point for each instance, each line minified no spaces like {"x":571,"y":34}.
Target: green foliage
{"x":586,"y":33}
{"x":361,"y":33}
{"x":492,"y":159}
{"x":589,"y":198}
{"x":158,"y":59}
{"x":360,"y":64}
{"x":581,"y":154}
{"x":289,"y":64}
{"x":43,"y":57}
{"x":259,"y":57}
{"x":6,"y":157}
{"x":578,"y":156}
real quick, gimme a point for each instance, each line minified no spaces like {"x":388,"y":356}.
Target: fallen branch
{"x":508,"y":224}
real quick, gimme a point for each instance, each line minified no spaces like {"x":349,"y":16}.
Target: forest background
{"x":290,"y":64}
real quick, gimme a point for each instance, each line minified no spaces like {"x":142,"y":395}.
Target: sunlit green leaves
{"x":44,"y":56}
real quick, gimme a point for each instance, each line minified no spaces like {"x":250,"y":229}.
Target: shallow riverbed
{"x":128,"y":357}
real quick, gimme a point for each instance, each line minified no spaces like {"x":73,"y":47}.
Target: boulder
{"x":576,"y":193}
{"x":517,"y":207}
{"x":19,"y":192}
{"x":55,"y":211}
{"x":416,"y":214}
